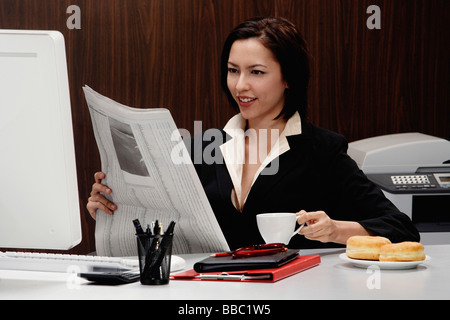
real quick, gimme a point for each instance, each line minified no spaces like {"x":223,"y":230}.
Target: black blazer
{"x":315,"y":174}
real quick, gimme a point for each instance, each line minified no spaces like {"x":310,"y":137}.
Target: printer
{"x":413,"y":171}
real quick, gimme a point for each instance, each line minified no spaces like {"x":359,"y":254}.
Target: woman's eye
{"x":232,"y":70}
{"x":257,"y":72}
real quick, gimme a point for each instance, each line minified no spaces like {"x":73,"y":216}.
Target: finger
{"x":300,"y":213}
{"x":97,"y":198}
{"x":311,"y":216}
{"x":315,"y":231}
{"x":301,"y":217}
{"x":95,"y":204}
{"x":308,"y":230}
{"x":315,"y":222}
{"x":99,"y":176}
{"x":93,"y":214}
{"x":92,"y":211}
{"x":320,"y":231}
{"x":98,"y":187}
{"x":308,"y":218}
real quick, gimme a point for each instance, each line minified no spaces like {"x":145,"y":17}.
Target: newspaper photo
{"x":136,"y":149}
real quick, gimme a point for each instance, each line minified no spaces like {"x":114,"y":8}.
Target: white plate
{"x":386,"y":265}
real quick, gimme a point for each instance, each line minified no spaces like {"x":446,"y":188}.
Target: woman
{"x":276,"y":161}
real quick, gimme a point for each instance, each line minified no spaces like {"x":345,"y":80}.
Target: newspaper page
{"x":136,"y":149}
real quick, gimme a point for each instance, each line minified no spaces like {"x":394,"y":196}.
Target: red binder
{"x":257,"y":275}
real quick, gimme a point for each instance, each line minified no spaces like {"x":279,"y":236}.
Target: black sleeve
{"x":364,"y":201}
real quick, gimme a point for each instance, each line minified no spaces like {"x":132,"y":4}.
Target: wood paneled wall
{"x":165,"y":53}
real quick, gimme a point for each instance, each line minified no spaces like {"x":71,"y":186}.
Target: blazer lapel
{"x":224,"y":181}
{"x":300,"y":148}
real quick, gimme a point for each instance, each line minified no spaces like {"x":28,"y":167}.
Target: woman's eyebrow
{"x":256,"y":65}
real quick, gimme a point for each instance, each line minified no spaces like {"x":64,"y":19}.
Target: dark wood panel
{"x":165,"y":53}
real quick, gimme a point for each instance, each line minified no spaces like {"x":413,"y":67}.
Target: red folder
{"x":257,"y":275}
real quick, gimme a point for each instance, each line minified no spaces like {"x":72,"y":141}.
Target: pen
{"x":137,"y":226}
{"x":170,"y":228}
{"x":221,"y":276}
{"x":156,"y":228}
{"x":222,"y":254}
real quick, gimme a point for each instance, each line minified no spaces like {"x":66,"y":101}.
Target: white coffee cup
{"x":277,"y":227}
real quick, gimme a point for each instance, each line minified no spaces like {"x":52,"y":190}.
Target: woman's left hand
{"x":318,"y":226}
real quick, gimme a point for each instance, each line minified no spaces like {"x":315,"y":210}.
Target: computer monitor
{"x":39,"y":205}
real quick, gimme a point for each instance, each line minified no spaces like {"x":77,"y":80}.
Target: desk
{"x":332,"y":279}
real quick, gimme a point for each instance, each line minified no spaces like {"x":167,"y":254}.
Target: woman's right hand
{"x":97,"y":200}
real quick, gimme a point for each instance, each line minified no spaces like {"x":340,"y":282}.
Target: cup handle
{"x":298,"y":230}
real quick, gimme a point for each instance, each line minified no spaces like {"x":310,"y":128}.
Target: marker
{"x":157,"y":228}
{"x":138,"y":227}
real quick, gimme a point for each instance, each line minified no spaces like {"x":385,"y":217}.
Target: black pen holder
{"x":154,"y":254}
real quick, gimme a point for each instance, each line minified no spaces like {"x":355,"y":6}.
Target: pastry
{"x":403,"y":251}
{"x":365,"y":247}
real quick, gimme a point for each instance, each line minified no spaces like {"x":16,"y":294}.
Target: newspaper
{"x":136,"y":149}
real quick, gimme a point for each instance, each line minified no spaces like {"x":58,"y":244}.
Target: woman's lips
{"x":245,"y":101}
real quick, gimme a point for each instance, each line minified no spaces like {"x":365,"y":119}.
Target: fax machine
{"x":413,"y":170}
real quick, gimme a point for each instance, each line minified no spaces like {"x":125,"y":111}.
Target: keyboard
{"x":69,"y":263}
{"x":32,"y":261}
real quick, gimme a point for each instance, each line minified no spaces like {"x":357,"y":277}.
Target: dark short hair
{"x":289,"y":48}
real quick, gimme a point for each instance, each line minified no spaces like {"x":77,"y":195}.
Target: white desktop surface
{"x":332,"y":279}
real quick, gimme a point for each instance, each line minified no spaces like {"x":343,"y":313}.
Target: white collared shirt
{"x":233,"y":151}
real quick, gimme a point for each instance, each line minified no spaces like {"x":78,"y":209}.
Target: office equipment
{"x":112,"y":278}
{"x":293,"y":266}
{"x":425,"y":180}
{"x":39,"y":205}
{"x":63,"y":263}
{"x":230,"y":263}
{"x":155,"y":252}
{"x":400,"y":153}
{"x":413,"y":170}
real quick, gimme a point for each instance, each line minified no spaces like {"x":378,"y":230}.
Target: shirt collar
{"x":236,"y":126}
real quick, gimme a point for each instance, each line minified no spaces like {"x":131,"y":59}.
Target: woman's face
{"x":255,"y":81}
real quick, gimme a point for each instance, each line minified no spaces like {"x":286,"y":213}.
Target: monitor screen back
{"x":39,"y":204}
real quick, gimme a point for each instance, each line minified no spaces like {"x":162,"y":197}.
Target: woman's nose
{"x":242,"y":84}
